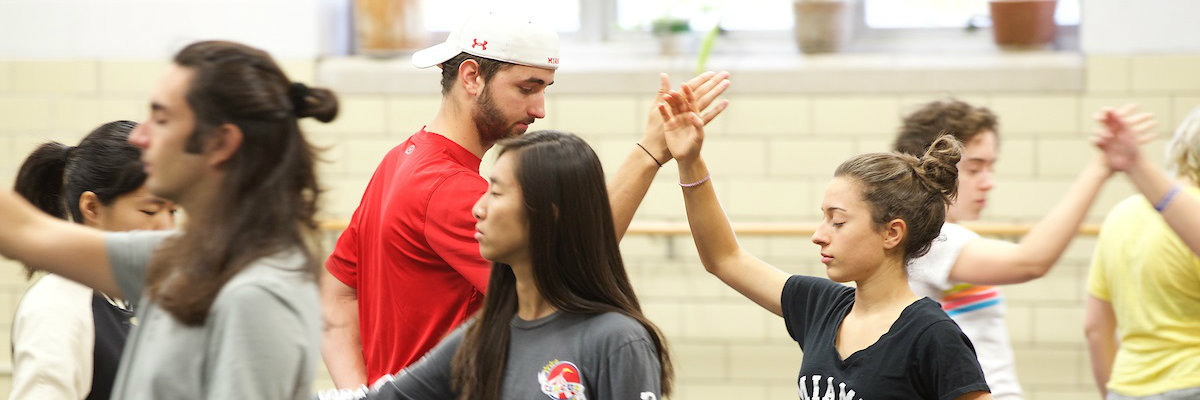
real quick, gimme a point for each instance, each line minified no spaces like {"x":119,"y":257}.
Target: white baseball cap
{"x":510,"y":39}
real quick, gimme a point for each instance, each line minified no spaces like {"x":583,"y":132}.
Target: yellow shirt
{"x":1153,"y":282}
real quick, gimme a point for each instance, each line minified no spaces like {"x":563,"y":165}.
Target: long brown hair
{"x":900,"y":186}
{"x":269,"y":195}
{"x":577,"y":266}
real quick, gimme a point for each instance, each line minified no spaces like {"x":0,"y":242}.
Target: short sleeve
{"x":129,"y":255}
{"x":450,"y":227}
{"x":804,"y":299}
{"x":343,"y":261}
{"x":259,"y":346}
{"x":1111,"y":246}
{"x":633,"y":372}
{"x":428,"y":378}
{"x":1097,"y":278}
{"x":934,"y":267}
{"x":52,"y":341}
{"x":946,"y":362}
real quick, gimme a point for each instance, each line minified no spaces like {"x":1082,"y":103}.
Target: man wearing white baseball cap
{"x":407,"y":269}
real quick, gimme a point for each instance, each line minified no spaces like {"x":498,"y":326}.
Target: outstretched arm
{"x":996,"y":262}
{"x":43,"y":242}
{"x":632,"y":180}
{"x":1119,"y":141}
{"x":985,"y":261}
{"x":711,"y":231}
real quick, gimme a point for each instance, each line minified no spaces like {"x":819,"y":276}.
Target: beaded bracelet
{"x":697,"y":183}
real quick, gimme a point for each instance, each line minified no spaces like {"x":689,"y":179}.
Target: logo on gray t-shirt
{"x":561,"y":381}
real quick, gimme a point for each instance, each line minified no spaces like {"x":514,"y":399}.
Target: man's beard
{"x":489,"y":121}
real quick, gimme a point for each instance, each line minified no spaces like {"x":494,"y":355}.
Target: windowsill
{"x":758,"y":65}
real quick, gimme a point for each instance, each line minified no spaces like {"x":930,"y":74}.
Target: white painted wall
{"x":155,"y":29}
{"x":1142,"y":26}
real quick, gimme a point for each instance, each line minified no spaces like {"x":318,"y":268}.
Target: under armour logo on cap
{"x":512,"y":38}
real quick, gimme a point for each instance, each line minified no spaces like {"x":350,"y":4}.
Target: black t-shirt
{"x":923,"y":356}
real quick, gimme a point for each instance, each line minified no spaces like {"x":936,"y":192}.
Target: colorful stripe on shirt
{"x":964,"y":298}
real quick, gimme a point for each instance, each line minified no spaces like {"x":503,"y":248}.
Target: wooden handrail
{"x":782,"y":228}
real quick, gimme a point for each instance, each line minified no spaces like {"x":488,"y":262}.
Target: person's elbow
{"x":1033,"y":268}
{"x":1098,"y":330}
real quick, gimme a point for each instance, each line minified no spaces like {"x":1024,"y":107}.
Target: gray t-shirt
{"x":563,"y":356}
{"x":261,"y":339}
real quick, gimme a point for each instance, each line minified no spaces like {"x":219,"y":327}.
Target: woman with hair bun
{"x":877,"y":340}
{"x":67,"y":338}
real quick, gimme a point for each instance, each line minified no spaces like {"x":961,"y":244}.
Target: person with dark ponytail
{"x":67,"y":338}
{"x":228,"y":306}
{"x":877,"y":340}
{"x":560,"y":318}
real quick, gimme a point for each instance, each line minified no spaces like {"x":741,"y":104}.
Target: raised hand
{"x":706,"y":87}
{"x":1121,"y":131}
{"x":683,"y":127}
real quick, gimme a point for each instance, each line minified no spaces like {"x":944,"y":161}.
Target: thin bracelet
{"x":697,"y":183}
{"x":1166,"y":200}
{"x":660,"y":164}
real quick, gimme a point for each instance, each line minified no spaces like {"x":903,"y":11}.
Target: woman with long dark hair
{"x":66,"y":337}
{"x":560,"y":318}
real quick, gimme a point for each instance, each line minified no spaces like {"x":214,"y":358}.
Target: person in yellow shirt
{"x":1143,"y":307}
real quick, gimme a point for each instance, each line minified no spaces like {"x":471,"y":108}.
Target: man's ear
{"x":893,"y":233}
{"x":470,"y":78}
{"x":223,"y":143}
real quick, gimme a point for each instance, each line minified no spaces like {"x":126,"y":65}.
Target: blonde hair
{"x":1183,"y":150}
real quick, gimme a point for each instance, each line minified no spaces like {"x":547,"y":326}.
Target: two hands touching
{"x":1122,"y":130}
{"x":695,"y":101}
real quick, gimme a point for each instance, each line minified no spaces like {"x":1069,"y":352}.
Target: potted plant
{"x":1023,"y":23}
{"x":673,"y":34}
{"x":823,"y":26}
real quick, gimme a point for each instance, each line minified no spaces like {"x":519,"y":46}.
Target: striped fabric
{"x":963,"y":298}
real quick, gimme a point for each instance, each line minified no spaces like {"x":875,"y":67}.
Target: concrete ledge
{"x":773,"y":70}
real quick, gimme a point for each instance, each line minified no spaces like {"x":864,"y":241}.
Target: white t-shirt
{"x":53,"y":337}
{"x":978,"y":310}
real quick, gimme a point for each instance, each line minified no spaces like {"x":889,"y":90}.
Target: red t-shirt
{"x":410,"y":251}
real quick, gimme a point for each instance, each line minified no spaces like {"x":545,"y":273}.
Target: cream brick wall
{"x":771,"y":154}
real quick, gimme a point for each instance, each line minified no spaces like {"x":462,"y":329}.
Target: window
{"x":891,"y":14}
{"x":628,"y":20}
{"x":442,"y":15}
{"x":742,"y":15}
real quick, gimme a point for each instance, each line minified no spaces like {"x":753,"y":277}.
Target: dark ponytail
{"x":55,"y":175}
{"x":40,"y":179}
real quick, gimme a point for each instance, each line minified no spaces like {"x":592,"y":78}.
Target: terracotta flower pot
{"x":1023,"y":22}
{"x":823,"y":26}
{"x":387,"y":27}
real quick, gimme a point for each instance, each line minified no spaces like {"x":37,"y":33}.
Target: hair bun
{"x":318,"y":103}
{"x":938,"y":168}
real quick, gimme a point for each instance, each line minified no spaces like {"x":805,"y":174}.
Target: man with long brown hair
{"x":407,"y":269}
{"x":228,"y":306}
